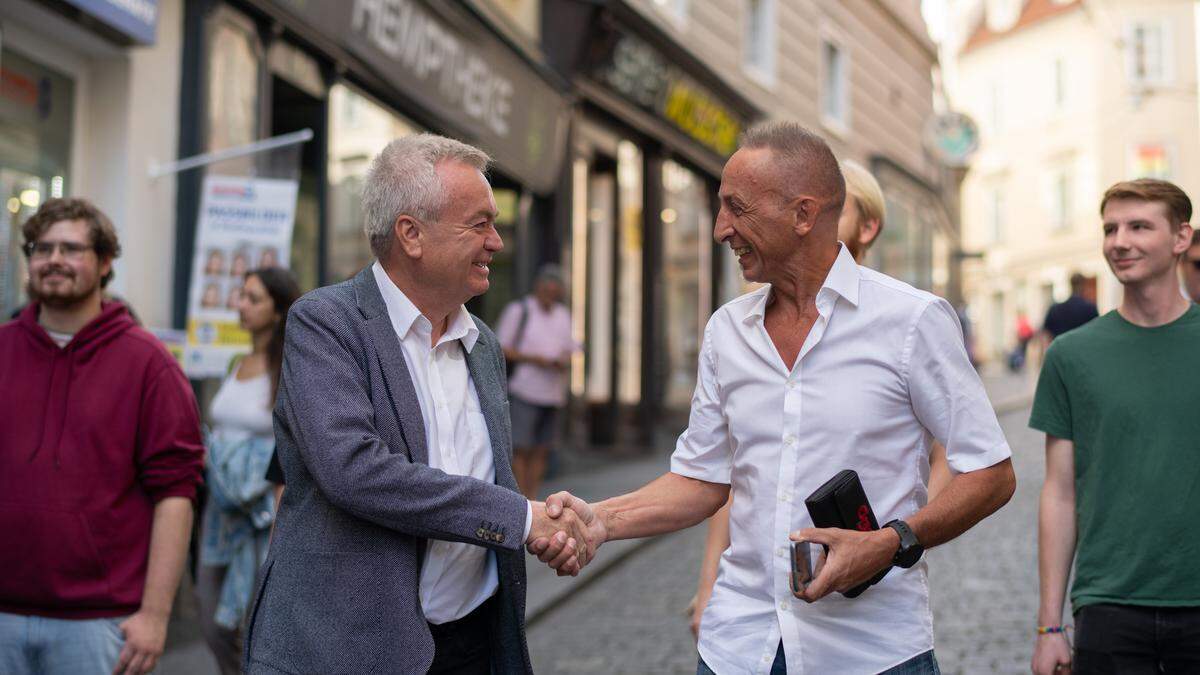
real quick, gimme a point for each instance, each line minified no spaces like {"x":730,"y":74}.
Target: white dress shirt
{"x":882,"y":369}
{"x":455,"y":577}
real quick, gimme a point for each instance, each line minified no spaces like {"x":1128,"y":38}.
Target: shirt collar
{"x":405,"y":315}
{"x":842,"y":281}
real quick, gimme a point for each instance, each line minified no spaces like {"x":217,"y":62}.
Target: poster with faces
{"x":244,"y":223}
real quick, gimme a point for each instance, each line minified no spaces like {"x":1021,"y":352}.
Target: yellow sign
{"x":702,"y":118}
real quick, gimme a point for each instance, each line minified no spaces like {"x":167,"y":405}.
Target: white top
{"x":546,"y":334}
{"x":455,"y":577}
{"x":883,"y":368}
{"x":241,"y":408}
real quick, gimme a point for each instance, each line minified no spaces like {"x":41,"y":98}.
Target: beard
{"x":62,"y":295}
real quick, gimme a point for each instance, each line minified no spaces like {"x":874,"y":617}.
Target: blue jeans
{"x":37,"y":645}
{"x":921,"y":664}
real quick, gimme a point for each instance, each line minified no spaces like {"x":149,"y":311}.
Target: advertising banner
{"x":244,"y":223}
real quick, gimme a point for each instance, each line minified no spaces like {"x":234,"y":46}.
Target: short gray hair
{"x":805,"y":157}
{"x":403,"y":180}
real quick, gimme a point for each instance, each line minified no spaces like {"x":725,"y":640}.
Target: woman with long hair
{"x":241,"y":505}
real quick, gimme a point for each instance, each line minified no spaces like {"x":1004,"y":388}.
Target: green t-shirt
{"x":1129,"y":398}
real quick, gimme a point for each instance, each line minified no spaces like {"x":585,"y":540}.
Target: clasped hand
{"x":853,"y":558}
{"x":565,"y":534}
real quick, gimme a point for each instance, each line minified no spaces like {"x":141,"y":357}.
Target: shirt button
{"x":785,"y":605}
{"x":785,"y":497}
{"x":766,"y":659}
{"x":782,"y":552}
{"x":789,"y":439}
{"x":791,"y":384}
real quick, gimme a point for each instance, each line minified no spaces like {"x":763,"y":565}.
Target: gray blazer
{"x":338,"y":592}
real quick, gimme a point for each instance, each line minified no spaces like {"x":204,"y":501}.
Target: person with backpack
{"x":535,"y":332}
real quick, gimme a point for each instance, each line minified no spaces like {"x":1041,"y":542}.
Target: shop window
{"x":36,"y":115}
{"x":686,"y":223}
{"x":359,"y":128}
{"x":629,"y":283}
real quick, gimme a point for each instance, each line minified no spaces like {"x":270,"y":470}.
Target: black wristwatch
{"x":910,"y":547}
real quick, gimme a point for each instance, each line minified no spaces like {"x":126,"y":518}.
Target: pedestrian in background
{"x":1072,"y":312}
{"x":240,"y":510}
{"x":100,"y":461}
{"x":1117,"y":401}
{"x":535,"y":332}
{"x":1189,"y":268}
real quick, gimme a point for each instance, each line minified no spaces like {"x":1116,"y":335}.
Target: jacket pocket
{"x":50,"y":559}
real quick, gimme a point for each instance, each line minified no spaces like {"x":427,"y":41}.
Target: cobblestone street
{"x":984,"y":594}
{"x":628,"y":617}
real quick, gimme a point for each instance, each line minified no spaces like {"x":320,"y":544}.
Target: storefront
{"x":648,"y":144}
{"x":360,"y":74}
{"x":919,"y":241}
{"x":74,"y":81}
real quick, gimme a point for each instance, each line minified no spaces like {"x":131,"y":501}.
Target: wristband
{"x":1046,"y":630}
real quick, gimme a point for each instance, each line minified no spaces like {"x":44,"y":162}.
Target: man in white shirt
{"x":398,"y":544}
{"x":830,"y":366}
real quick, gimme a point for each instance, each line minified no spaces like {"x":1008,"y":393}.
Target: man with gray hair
{"x":535,"y":332}
{"x":828,"y":366}
{"x":398,"y":543}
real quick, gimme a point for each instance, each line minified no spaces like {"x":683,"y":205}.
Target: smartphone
{"x":806,"y":564}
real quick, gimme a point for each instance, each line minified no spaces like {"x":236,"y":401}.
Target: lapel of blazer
{"x":490,"y":388}
{"x":405,"y":404}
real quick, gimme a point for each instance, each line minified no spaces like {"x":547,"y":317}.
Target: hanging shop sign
{"x":136,"y":20}
{"x":643,"y":75}
{"x":244,"y":223}
{"x":953,"y":137}
{"x":459,"y":70}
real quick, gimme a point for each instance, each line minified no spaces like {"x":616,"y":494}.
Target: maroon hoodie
{"x":92,"y":436}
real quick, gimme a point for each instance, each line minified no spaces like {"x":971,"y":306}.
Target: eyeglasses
{"x":41,"y":250}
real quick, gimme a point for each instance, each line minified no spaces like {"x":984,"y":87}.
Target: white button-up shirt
{"x":455,"y":577}
{"x":882,"y":369}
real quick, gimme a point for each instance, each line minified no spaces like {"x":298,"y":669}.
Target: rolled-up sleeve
{"x":946,"y":393}
{"x":702,"y":451}
{"x":170,"y":453}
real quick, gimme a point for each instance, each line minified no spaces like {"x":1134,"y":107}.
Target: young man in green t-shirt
{"x":1117,"y":399}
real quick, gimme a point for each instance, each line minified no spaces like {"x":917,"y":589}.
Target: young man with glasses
{"x":1116,"y":399}
{"x":100,"y":459}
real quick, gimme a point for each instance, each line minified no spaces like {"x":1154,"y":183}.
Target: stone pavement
{"x":624,"y":614}
{"x":628,"y":618}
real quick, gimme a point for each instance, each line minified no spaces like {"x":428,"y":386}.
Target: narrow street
{"x":625,"y":614}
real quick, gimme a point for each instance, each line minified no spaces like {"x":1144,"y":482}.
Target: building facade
{"x":860,"y":75}
{"x":609,"y":122}
{"x":1070,"y":98}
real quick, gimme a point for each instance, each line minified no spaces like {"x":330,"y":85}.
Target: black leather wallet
{"x":842,"y":503}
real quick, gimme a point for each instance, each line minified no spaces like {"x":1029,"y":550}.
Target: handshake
{"x":566,"y":532}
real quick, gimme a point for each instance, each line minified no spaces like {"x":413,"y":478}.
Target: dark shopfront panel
{"x":648,"y":147}
{"x":254,"y":70}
